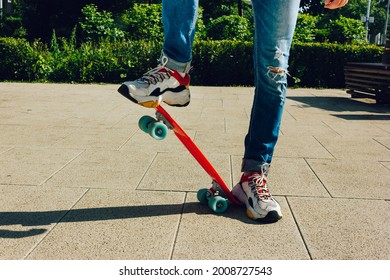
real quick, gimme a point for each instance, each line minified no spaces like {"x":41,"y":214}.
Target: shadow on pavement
{"x":340,"y":104}
{"x":105,"y":213}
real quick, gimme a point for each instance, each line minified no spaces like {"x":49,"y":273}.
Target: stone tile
{"x":300,"y":147}
{"x":289,"y":177}
{"x":306,"y":128}
{"x":384,"y":126}
{"x":129,"y":121}
{"x":205,"y":123}
{"x":85,"y":138}
{"x":233,"y":235}
{"x":357,"y":129}
{"x":28,"y":214}
{"x":343,"y":229}
{"x":33,"y":166}
{"x":115,"y":225}
{"x":353,"y":179}
{"x":4,"y":149}
{"x":385,"y":141}
{"x":141,"y":141}
{"x":181,"y":172}
{"x":220,"y":143}
{"x":104,"y":169}
{"x":237,"y":126}
{"x":30,"y":112}
{"x":294,"y":177}
{"x":386,"y":164}
{"x":355,"y":148}
{"x":35,"y":135}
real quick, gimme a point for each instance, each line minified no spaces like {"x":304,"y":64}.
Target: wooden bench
{"x":370,"y":80}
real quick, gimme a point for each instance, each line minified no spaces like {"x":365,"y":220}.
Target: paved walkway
{"x":79,"y":180}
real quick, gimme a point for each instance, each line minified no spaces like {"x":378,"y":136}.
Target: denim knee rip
{"x":278,"y":74}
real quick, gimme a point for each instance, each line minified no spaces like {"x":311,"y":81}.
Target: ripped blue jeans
{"x":275,"y":22}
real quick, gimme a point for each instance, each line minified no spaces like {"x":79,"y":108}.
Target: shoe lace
{"x":156,"y":75}
{"x":258,"y":185}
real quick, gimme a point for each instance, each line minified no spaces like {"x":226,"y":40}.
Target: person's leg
{"x":169,"y":81}
{"x":179,"y":20}
{"x":275,"y":23}
{"x":274,"y":28}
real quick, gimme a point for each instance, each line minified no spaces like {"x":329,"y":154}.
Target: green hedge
{"x":322,"y":64}
{"x":222,"y":63}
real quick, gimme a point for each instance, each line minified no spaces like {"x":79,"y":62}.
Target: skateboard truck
{"x":160,"y":117}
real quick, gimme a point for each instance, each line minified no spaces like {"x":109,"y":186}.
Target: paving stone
{"x":289,"y":177}
{"x":181,"y":172}
{"x":384,"y":126}
{"x":355,"y":148}
{"x":353,"y":179}
{"x":28,"y":214}
{"x":4,"y":149}
{"x":344,"y":229}
{"x":33,"y":166}
{"x":104,"y":169}
{"x":356,"y":129}
{"x":35,"y":135}
{"x":221,"y":143}
{"x":233,"y":235}
{"x":386,"y":164}
{"x":304,"y":128}
{"x":300,"y":147}
{"x":385,"y":141}
{"x":115,"y":225}
{"x":85,"y":138}
{"x":141,"y":141}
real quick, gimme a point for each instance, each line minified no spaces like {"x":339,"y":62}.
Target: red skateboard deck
{"x":219,"y":194}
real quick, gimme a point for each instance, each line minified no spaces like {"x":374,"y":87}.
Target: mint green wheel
{"x":144,"y":123}
{"x":203,"y":196}
{"x":158,"y":130}
{"x":218,"y":204}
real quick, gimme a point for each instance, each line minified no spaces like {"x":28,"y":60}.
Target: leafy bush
{"x":306,"y":28}
{"x":322,"y":64}
{"x":143,"y":22}
{"x":96,"y":25}
{"x":342,"y":30}
{"x":11,"y":26}
{"x":223,"y":63}
{"x":346,"y":30}
{"x":12,"y":65}
{"x":231,"y":27}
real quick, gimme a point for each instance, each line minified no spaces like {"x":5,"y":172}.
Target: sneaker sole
{"x":271,"y":217}
{"x":151,"y":103}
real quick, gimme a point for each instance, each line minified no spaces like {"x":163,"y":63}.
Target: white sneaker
{"x":252,"y":191}
{"x":158,"y":85}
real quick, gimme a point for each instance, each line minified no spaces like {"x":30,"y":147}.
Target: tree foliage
{"x":135,"y":19}
{"x":354,"y":9}
{"x":231,"y":27}
{"x":306,"y":28}
{"x":96,"y":25}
